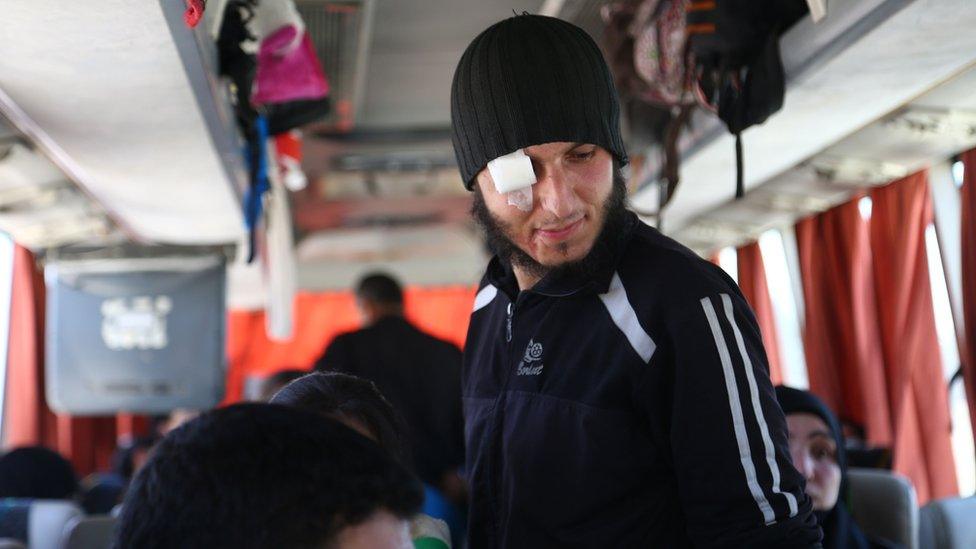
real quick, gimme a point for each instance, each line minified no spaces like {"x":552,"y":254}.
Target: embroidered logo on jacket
{"x":533,"y":354}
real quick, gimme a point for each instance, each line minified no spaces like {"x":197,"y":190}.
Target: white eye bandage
{"x":513,"y":176}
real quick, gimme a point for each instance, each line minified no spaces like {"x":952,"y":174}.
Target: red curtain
{"x":752,"y":282}
{"x":967,"y":349}
{"x":27,"y":420}
{"x":87,"y":442}
{"x":318,"y":318}
{"x":442,"y":312}
{"x":916,"y":391}
{"x":840,"y":333}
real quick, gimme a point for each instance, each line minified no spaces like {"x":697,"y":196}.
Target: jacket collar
{"x":607,"y":251}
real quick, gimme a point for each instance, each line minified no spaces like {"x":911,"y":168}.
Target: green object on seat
{"x":429,"y":543}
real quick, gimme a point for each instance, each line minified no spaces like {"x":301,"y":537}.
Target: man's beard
{"x":496,"y":234}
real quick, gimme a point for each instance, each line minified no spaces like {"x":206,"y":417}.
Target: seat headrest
{"x":47,"y":522}
{"x":949,"y":524}
{"x":93,"y":532}
{"x":883,"y":504}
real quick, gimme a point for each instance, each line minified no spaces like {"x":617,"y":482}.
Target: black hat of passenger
{"x":530,"y":80}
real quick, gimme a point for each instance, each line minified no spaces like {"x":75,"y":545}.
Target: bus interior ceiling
{"x":876,"y":90}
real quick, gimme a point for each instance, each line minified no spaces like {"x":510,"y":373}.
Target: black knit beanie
{"x":530,"y":80}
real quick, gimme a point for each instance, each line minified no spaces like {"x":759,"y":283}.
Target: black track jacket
{"x":630,"y":409}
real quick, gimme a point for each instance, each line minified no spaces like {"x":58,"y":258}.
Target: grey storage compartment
{"x":141,"y":335}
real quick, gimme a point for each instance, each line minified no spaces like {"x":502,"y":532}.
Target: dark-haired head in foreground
{"x":351,"y":400}
{"x":266,"y":476}
{"x":36,"y":472}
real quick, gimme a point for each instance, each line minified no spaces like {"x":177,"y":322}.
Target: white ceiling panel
{"x":101,"y":87}
{"x":415,"y":47}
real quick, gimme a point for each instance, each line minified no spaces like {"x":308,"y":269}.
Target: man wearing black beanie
{"x":615,"y":385}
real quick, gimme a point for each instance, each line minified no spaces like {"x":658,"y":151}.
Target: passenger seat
{"x":949,"y":524}
{"x":94,"y":532}
{"x":883,"y":504}
{"x":39,"y":524}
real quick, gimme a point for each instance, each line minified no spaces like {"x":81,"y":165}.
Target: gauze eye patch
{"x":513,"y":176}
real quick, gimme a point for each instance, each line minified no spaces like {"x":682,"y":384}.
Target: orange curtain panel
{"x":916,"y":389}
{"x":27,"y":420}
{"x":752,"y":282}
{"x":841,"y":337}
{"x":87,"y":442}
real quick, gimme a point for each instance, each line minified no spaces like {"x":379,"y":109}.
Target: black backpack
{"x":734,"y":50}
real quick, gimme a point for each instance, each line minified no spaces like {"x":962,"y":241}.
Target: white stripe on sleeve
{"x":623,"y":315}
{"x":757,"y":408}
{"x":738,"y":421}
{"x":484,"y":297}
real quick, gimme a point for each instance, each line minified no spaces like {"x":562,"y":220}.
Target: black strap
{"x":739,"y":186}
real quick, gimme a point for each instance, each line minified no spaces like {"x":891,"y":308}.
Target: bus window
{"x":962,"y":433}
{"x":729,"y":262}
{"x":782,"y":289}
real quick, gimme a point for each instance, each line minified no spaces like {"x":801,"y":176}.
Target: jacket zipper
{"x":494,"y":471}
{"x":494,"y":484}
{"x":508,"y":327}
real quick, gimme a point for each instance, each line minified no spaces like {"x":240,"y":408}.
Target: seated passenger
{"x":131,"y":455}
{"x":101,"y":492}
{"x":36,"y":472}
{"x":357,"y":403}
{"x":817,"y":449}
{"x":352,"y":400}
{"x":262,"y":476}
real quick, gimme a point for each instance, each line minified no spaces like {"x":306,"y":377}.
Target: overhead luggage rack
{"x":861,"y":63}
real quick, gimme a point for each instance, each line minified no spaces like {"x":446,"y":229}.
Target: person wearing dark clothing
{"x":418,"y":373}
{"x":616,"y":390}
{"x":817,"y":448}
{"x":36,"y":472}
{"x":101,"y":492}
{"x":130,"y":456}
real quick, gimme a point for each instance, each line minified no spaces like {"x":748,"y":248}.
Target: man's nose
{"x":556,"y":195}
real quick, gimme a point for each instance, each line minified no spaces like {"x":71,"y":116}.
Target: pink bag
{"x":288,"y":72}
